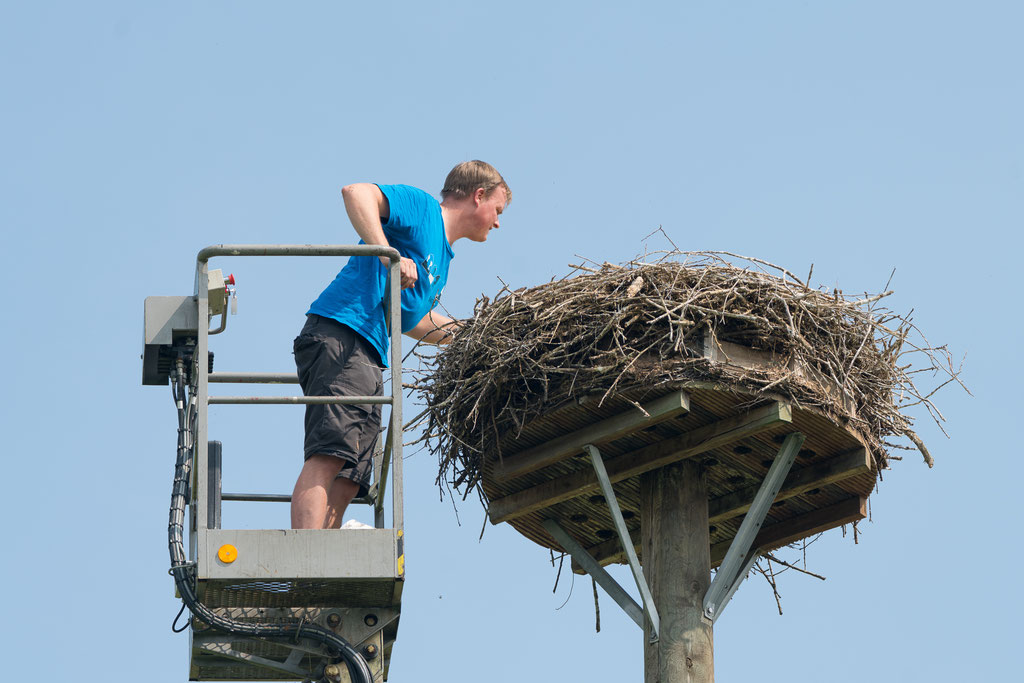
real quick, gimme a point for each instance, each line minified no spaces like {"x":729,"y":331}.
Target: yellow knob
{"x":227,"y":553}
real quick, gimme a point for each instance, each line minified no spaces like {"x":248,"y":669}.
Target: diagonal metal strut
{"x":288,"y":666}
{"x":620,"y":528}
{"x":741,"y":555}
{"x":599,"y":573}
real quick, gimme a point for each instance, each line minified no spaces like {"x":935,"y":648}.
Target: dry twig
{"x":616,"y":326}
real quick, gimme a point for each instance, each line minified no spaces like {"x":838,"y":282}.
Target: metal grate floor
{"x":300,"y":593}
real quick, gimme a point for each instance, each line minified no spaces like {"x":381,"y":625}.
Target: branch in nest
{"x":612,"y":326}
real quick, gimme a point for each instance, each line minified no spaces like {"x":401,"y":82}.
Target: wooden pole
{"x":677,"y":565}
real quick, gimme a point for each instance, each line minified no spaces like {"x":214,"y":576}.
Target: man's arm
{"x":366,"y":205}
{"x":434,"y":329}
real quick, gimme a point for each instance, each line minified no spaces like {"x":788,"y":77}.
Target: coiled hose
{"x":184,"y":572}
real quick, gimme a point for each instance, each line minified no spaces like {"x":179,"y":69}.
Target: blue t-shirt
{"x":356,"y":296}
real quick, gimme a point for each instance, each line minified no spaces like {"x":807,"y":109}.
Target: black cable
{"x":174,"y":624}
{"x":183,"y":571}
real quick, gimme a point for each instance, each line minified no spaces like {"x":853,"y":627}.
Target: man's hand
{"x":410,"y":274}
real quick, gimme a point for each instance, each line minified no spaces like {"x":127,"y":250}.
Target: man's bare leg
{"x":340,"y":495}
{"x":309,"y":498}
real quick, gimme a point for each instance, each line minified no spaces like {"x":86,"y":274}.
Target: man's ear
{"x":478,"y":195}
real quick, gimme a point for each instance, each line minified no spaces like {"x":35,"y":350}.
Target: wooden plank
{"x":541,"y":456}
{"x":743,"y":356}
{"x":646,"y":459}
{"x":835,"y":469}
{"x":848,"y":464}
{"x":779,"y":534}
{"x":611,"y":551}
{"x":802,"y":526}
{"x":718,"y":351}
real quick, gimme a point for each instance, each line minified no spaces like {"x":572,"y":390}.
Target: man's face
{"x":488,"y":209}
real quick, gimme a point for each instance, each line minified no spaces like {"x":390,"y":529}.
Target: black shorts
{"x":333,"y":360}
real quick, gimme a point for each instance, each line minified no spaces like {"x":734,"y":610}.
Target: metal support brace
{"x":748,"y":564}
{"x":293,"y":658}
{"x":741,"y":554}
{"x":620,"y":527}
{"x":215,"y":457}
{"x":385,"y":464}
{"x":590,"y":565}
{"x":289,"y":666}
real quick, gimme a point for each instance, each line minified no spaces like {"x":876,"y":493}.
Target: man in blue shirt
{"x":342,"y":347}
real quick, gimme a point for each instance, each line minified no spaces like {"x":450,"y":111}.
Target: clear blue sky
{"x":857,"y":136}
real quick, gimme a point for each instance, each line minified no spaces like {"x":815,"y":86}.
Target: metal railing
{"x":207,"y":493}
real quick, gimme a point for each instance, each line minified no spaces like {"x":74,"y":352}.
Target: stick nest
{"x":610,"y":327}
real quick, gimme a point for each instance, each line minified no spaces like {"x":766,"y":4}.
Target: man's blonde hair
{"x":467,"y":177}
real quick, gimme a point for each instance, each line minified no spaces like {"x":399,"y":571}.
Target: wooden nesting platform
{"x":544,"y":472}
